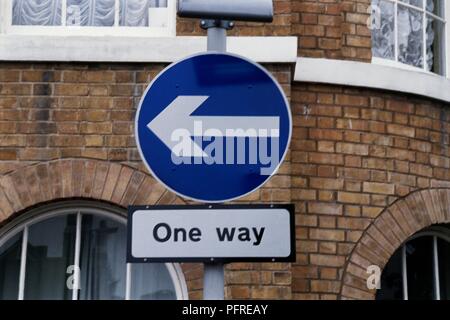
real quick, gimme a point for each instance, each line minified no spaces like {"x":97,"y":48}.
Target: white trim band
{"x":138,"y":49}
{"x":369,"y":75}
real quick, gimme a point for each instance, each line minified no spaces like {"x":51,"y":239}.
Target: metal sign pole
{"x":213,"y":273}
{"x":213,"y":281}
{"x":217,"y":34}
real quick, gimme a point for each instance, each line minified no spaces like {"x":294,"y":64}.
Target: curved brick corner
{"x":393,"y":226}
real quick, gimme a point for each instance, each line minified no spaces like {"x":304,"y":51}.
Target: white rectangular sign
{"x":211,"y":233}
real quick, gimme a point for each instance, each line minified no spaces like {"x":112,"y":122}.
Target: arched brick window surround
{"x":79,"y":178}
{"x":388,"y":232}
{"x":115,"y":183}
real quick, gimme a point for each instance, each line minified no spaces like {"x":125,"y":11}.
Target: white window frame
{"x":445,"y":36}
{"x":79,"y":208}
{"x":65,"y":31}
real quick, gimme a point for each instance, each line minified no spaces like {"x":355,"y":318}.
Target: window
{"x":420,"y":269}
{"x":411,"y":32}
{"x":45,"y":257}
{"x":89,"y":17}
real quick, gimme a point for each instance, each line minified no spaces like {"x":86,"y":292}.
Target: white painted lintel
{"x":138,"y":49}
{"x":371,"y":75}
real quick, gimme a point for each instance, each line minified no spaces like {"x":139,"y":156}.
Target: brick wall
{"x":333,"y":29}
{"x":51,"y":111}
{"x":354,"y":153}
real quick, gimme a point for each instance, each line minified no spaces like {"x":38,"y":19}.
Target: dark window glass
{"x":391,"y":279}
{"x":444,"y":268}
{"x":102,"y":258}
{"x":10,"y":267}
{"x":151,"y":281}
{"x":50,"y":251}
{"x":419,"y":261}
{"x":435,"y":58}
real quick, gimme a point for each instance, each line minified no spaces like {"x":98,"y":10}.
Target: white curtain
{"x":410,"y":36}
{"x":134,"y":13}
{"x":98,"y":13}
{"x":37,"y":12}
{"x":383,"y":37}
{"x":410,"y":26}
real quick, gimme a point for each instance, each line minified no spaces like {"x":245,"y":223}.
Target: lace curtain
{"x":135,"y":13}
{"x":37,"y":12}
{"x":410,"y":26}
{"x":96,"y":13}
{"x":99,"y":13}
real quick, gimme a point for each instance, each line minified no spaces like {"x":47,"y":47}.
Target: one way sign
{"x":226,"y":233}
{"x":213,"y":127}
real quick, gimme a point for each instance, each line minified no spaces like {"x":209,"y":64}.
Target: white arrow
{"x":177,"y":115}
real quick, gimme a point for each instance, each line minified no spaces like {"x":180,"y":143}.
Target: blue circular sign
{"x":213,"y":127}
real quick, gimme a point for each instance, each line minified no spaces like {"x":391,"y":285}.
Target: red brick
{"x":356,"y":198}
{"x":327,"y":260}
{"x":352,"y":148}
{"x":352,"y":100}
{"x":71,"y":90}
{"x":326,"y":158}
{"x":325,"y":208}
{"x":381,"y":188}
{"x":323,"y":183}
{"x":9,"y":75}
{"x":401,"y":130}
{"x":326,"y":234}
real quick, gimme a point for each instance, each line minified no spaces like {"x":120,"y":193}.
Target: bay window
{"x":410,"y":33}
